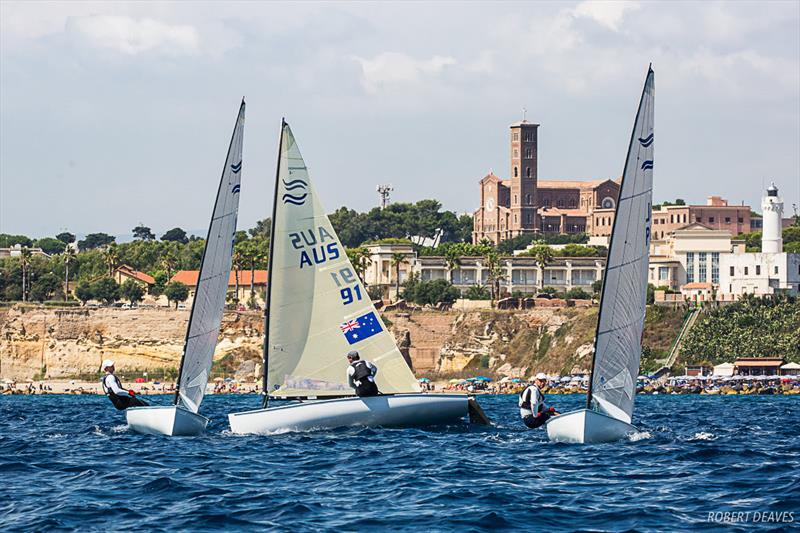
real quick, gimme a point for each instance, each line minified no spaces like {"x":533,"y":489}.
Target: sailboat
{"x":182,"y":417}
{"x":615,"y":365}
{"x":318,"y":311}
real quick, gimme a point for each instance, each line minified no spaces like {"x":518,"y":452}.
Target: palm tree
{"x":111,"y":257}
{"x":452,"y":260}
{"x":398,"y":259}
{"x":168,"y":262}
{"x":495,"y":274}
{"x":543,"y":255}
{"x":25,"y":261}
{"x":360,"y":258}
{"x":69,"y":257}
{"x":238,"y":262}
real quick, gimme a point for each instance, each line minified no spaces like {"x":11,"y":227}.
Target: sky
{"x":117,"y":113}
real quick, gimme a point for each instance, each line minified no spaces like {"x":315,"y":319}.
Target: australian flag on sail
{"x":361,"y":328}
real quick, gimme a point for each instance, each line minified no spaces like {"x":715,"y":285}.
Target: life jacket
{"x":117,"y":400}
{"x":525,"y":403}
{"x":361,"y":371}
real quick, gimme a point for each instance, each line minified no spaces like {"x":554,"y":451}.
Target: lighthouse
{"x":772,"y":207}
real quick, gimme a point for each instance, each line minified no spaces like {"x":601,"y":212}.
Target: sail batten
{"x":319,"y":309}
{"x":615,"y":365}
{"x":212,"y":282}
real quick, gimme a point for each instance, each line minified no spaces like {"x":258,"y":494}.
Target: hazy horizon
{"x":119,"y":113}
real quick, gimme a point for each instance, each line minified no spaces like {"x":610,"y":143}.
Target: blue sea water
{"x":69,"y":462}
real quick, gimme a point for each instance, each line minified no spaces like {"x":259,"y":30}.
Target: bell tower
{"x":524,"y":175}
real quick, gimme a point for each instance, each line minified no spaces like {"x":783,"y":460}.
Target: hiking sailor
{"x":361,"y":375}
{"x":121,"y":398}
{"x":531,"y":400}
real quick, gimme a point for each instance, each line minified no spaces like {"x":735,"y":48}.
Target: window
{"x":663,"y":273}
{"x":746,"y":271}
{"x":516,"y":219}
{"x":711,"y":219}
{"x":515,"y":136}
{"x":715,"y":268}
{"x":515,"y":199}
{"x":741,"y":220}
{"x":528,"y":153}
{"x":528,"y":198}
{"x":560,"y":202}
{"x":528,"y":217}
{"x":731,"y":271}
{"x":684,"y":218}
{"x":572,"y":202}
{"x":528,"y":137}
{"x":516,"y":153}
{"x":672,"y":219}
{"x":698,"y":219}
{"x":776,"y":269}
{"x":528,"y":171}
{"x":516,"y":173}
{"x":758,"y":270}
{"x":701,"y":263}
{"x":689,"y":267}
{"x":547,"y":202}
{"x":727,"y":220}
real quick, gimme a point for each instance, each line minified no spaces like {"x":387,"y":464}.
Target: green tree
{"x":543,"y":255}
{"x":157,"y":288}
{"x":143,"y":233}
{"x":175,"y":235}
{"x":131,"y":291}
{"x":45,"y":286}
{"x":597,"y":286}
{"x":106,"y":289}
{"x":495,"y":272}
{"x":50,"y":245}
{"x":66,"y":237}
{"x":169,"y":262}
{"x":84,"y":292}
{"x":360,"y":259}
{"x":7,"y":241}
{"x":429,"y":292}
{"x":452,"y":260}
{"x":477,"y":292}
{"x":397,"y":260}
{"x":25,"y":263}
{"x":69,"y":259}
{"x":262,"y":229}
{"x":95,"y":240}
{"x":176,"y":291}
{"x":111,"y":258}
{"x":576,"y":293}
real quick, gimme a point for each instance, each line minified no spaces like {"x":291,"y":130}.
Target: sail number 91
{"x":344,"y":278}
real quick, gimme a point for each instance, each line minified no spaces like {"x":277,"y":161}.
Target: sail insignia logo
{"x":237,"y":167}
{"x":296,"y":192}
{"x":647,"y":165}
{"x":647,"y":141}
{"x":236,"y":188}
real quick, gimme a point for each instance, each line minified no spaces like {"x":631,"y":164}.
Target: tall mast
{"x":270,"y":268}
{"x":613,"y":232}
{"x":202,"y":259}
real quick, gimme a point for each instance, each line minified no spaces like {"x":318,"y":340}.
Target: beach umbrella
{"x":228,"y":380}
{"x":516,"y":380}
{"x":483,"y":378}
{"x":424,"y":380}
{"x":566,"y":379}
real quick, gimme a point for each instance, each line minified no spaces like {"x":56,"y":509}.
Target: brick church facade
{"x":524,"y":204}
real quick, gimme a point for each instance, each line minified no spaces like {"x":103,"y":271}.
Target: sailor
{"x":121,"y":398}
{"x":531,"y":403}
{"x":361,"y":375}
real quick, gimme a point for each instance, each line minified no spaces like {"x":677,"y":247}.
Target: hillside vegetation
{"x":750,"y":327}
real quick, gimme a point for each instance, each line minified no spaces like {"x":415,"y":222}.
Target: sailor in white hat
{"x":121,"y":398}
{"x":532,"y":409}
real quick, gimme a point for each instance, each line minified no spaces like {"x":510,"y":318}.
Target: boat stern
{"x":587,"y":427}
{"x":168,"y":420}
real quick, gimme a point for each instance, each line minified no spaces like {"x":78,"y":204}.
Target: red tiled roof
{"x":697,"y":285}
{"x":569,"y":184}
{"x":125,"y":270}
{"x":189,"y":277}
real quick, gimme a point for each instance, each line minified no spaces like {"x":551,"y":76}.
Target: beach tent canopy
{"x":724,"y":369}
{"x":455,"y":380}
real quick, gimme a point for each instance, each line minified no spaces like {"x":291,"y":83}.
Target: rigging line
{"x":618,"y":328}
{"x":635,"y":195}
{"x":626,"y":263}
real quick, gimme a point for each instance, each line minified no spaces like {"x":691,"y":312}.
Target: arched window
{"x":607,"y":203}
{"x":515,"y":172}
{"x":515,"y":199}
{"x":572,"y":202}
{"x":560,"y":202}
{"x":528,"y":198}
{"x":528,"y":171}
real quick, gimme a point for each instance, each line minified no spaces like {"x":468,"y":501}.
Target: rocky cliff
{"x":67,"y":343}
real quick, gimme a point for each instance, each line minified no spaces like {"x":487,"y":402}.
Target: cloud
{"x":134,"y":36}
{"x":391,"y":68}
{"x":608,"y":13}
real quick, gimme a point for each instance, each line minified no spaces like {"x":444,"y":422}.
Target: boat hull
{"x":587,"y":427}
{"x":167,"y":420}
{"x":394,"y":410}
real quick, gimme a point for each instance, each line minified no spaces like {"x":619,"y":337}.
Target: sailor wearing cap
{"x":121,"y":398}
{"x":361,"y":375}
{"x":531,"y":403}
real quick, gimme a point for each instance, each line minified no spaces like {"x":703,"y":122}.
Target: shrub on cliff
{"x":429,"y":292}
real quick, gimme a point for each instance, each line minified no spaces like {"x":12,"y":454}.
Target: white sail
{"x":318,"y":308}
{"x":622,"y":305}
{"x":212,"y":284}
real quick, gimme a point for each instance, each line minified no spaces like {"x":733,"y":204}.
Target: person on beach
{"x":361,"y":375}
{"x":531,"y":400}
{"x":121,"y":398}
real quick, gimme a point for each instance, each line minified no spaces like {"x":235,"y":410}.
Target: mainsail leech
{"x":212,"y":283}
{"x":318,"y":308}
{"x":615,"y":365}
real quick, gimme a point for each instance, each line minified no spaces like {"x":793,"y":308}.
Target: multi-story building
{"x":524,"y":204}
{"x":715,"y":214}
